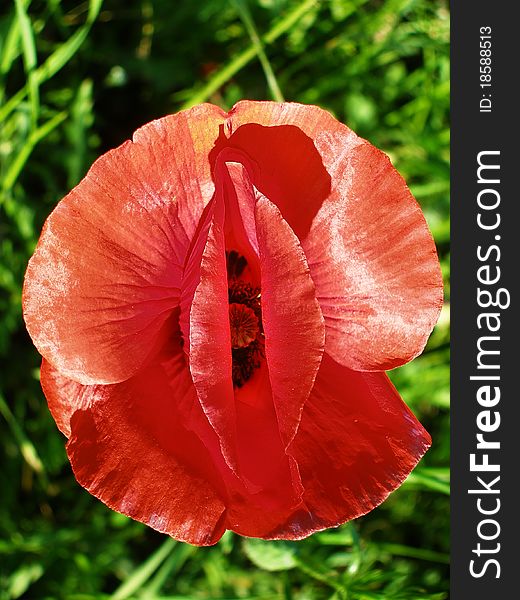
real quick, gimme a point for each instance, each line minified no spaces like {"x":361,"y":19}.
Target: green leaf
{"x":22,"y":578}
{"x":270,"y":556}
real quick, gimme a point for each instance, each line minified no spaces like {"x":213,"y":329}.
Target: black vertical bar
{"x":485,"y":124}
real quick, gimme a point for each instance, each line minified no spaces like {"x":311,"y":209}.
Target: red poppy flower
{"x":216,"y":303}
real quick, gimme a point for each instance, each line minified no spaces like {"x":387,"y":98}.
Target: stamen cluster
{"x":245,"y":320}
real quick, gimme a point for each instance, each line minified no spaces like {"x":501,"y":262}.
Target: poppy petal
{"x":97,"y":293}
{"x":277,"y":139}
{"x":375,"y":266}
{"x":371,"y":256}
{"x":64,"y":396}
{"x":129,"y":448}
{"x":233,"y":173}
{"x":293,"y":323}
{"x":269,"y":474}
{"x":357,"y":442}
{"x":267,"y":487}
{"x":210,"y":342}
{"x":210,"y":360}
{"x":178,"y":468}
{"x":291,"y":316}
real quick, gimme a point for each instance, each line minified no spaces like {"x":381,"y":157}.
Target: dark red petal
{"x":266,"y":490}
{"x":367,"y":244}
{"x":130,"y":448}
{"x":107,"y":269}
{"x":357,"y":442}
{"x":278,"y":139}
{"x":269,"y":475}
{"x":146,"y":449}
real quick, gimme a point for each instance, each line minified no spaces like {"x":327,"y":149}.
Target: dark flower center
{"x":243,"y":324}
{"x":245,"y":321}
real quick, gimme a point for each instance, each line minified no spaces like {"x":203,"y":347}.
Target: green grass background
{"x":76,"y":78}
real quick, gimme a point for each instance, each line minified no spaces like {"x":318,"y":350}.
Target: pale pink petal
{"x":107,"y":270}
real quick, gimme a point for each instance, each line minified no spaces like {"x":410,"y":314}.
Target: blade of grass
{"x":57,"y":60}
{"x":249,"y":24}
{"x":66,"y":51}
{"x":170,"y":567}
{"x":141,"y":575}
{"x":10,"y":49}
{"x":27,"y":449}
{"x":356,"y":549}
{"x":36,"y":136}
{"x":240,"y":61}
{"x":77,"y":129}
{"x":442,"y":473}
{"x":29,"y":57}
{"x":419,"y":553}
{"x":322,"y":576}
{"x":420,"y":480}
